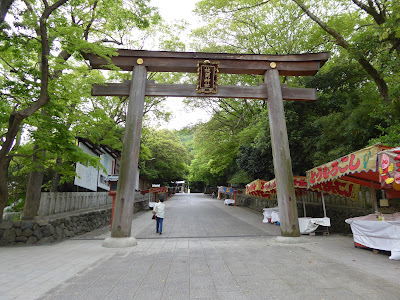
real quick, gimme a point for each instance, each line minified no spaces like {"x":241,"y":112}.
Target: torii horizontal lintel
{"x":255,"y":64}
{"x":189,"y":90}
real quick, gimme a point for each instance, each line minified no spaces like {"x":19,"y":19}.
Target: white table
{"x":267,"y":212}
{"x":375,"y":234}
{"x":275,"y":217}
{"x":229,"y":201}
{"x":308,"y":225}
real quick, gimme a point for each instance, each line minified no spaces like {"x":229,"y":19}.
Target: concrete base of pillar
{"x":119,"y":242}
{"x":289,"y":240}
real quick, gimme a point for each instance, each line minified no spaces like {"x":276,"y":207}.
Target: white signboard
{"x":108,"y":162}
{"x":86,"y":176}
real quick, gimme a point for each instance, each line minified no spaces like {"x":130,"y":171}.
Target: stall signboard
{"x":225,"y":190}
{"x":389,"y":169}
{"x":338,"y":187}
{"x":158,"y":190}
{"x":265,"y":189}
{"x":364,"y":160}
{"x":254,"y":188}
{"x":300,"y":182}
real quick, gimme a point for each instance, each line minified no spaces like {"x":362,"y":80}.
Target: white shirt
{"x":159,"y":208}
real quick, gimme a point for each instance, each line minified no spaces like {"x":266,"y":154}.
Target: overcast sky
{"x":172,"y":10}
{"x":175,"y":9}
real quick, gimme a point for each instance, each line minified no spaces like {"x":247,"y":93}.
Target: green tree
{"x":366,"y":32}
{"x":169,"y":158}
{"x":44,"y":40}
{"x":358,"y":98}
{"x":216,"y":143}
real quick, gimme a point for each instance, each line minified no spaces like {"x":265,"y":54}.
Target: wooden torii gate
{"x":269,"y":66}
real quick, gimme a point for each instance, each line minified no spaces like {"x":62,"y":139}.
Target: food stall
{"x":365,"y":167}
{"x":267,"y":189}
{"x":155,"y":191}
{"x":227,"y":191}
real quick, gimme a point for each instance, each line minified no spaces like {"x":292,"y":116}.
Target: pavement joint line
{"x":184,"y":237}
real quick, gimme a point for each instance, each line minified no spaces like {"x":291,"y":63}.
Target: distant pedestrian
{"x":213,"y":194}
{"x":159,"y":210}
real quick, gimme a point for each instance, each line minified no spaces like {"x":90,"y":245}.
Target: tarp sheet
{"x":267,"y":212}
{"x":308,"y":224}
{"x":229,"y":202}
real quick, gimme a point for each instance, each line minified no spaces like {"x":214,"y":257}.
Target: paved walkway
{"x":208,"y":250}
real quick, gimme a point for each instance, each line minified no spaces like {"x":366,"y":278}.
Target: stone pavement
{"x":208,"y":250}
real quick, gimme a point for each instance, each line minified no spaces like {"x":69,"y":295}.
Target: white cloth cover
{"x":382,"y":235}
{"x":275,"y":216}
{"x":229,"y":201}
{"x":267,"y":212}
{"x":308,"y":224}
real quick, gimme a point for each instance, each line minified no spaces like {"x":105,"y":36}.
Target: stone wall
{"x":141,"y":202}
{"x":48,"y":231}
{"x":56,"y":227}
{"x":338,"y":209}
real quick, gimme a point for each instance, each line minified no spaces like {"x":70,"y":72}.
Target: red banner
{"x":339,"y":187}
{"x":260,"y":194}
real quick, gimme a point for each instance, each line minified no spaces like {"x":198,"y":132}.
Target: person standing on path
{"x":159,"y":211}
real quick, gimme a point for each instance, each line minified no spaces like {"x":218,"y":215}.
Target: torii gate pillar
{"x":122,"y":218}
{"x":281,"y":156}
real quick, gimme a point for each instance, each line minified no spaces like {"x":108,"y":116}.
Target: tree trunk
{"x":56,"y":177}
{"x":4,"y":163}
{"x":33,"y":191}
{"x":4,"y":7}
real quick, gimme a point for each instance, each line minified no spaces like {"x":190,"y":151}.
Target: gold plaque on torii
{"x":207,"y":77}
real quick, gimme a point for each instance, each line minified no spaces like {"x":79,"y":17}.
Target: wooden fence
{"x":55,"y":203}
